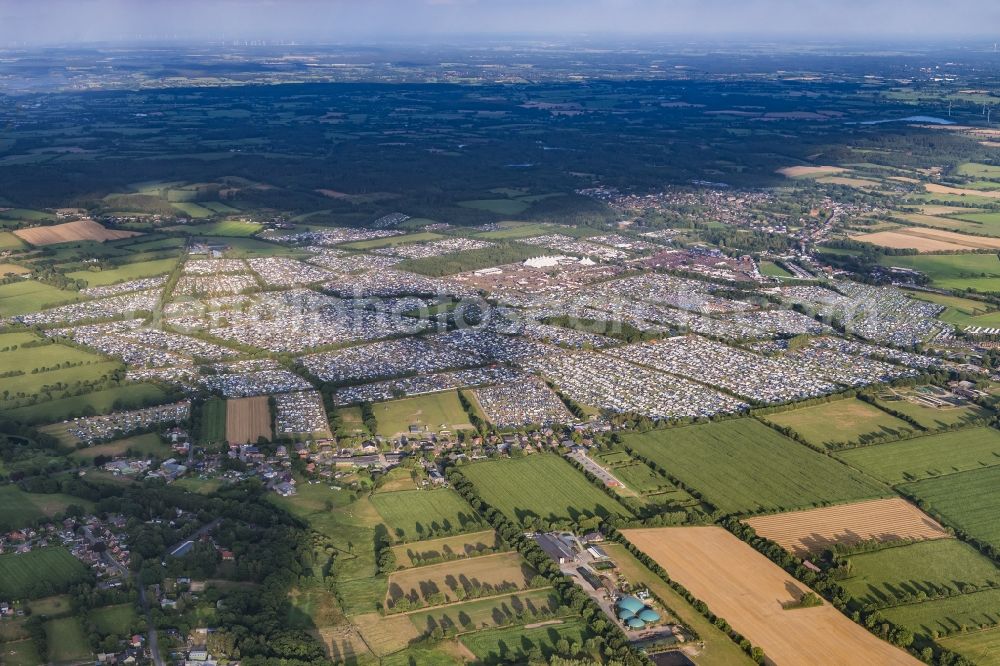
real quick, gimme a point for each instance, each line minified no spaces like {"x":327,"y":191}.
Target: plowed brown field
{"x":247,"y":419}
{"x":80,"y":230}
{"x":752,"y":594}
{"x":811,"y":531}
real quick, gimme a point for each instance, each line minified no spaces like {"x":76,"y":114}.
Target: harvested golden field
{"x":944,"y":189}
{"x":757,"y":597}
{"x":806,"y":171}
{"x":247,"y":419}
{"x":899,"y":240}
{"x":495,"y":574}
{"x":80,"y":230}
{"x":812,"y":530}
{"x":928,"y":240}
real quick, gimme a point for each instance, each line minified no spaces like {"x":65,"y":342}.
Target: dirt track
{"x":811,"y":531}
{"x":749,"y":591}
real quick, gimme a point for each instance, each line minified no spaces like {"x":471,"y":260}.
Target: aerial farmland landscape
{"x":423,"y":332}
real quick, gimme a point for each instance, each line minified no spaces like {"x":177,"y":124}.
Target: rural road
{"x":154,"y":643}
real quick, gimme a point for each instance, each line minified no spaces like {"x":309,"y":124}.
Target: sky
{"x":345,"y":21}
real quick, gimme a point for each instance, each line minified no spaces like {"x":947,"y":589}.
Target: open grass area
{"x":433,"y":412}
{"x":349,"y":523}
{"x":744,"y":466}
{"x":242,"y":248}
{"x":54,"y":383}
{"x":18,"y":508}
{"x":40,"y":358}
{"x":849,"y":420}
{"x":967,"y":500}
{"x":928,"y":456}
{"x":422,"y":514}
{"x":510,"y":230}
{"x":20,"y":653}
{"x":462,"y":545}
{"x":512,"y":644}
{"x":541,"y":487}
{"x":149,"y":444}
{"x":124,"y":273}
{"x":130,"y":396}
{"x":962,"y":311}
{"x":771,"y":269}
{"x":119,"y":620}
{"x":928,"y":416}
{"x":9,"y":241}
{"x":519,"y":607}
{"x":891,"y":573}
{"x":39,"y":573}
{"x":213,"y":421}
{"x":979,"y":170}
{"x":67,"y":641}
{"x":947,"y":615}
{"x":953,"y":271}
{"x":231,"y":228}
{"x":449,"y":582}
{"x":30,"y":296}
{"x":982,"y":647}
{"x":392,"y":241}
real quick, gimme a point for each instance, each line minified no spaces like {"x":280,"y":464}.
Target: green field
{"x":231,"y":228}
{"x":518,"y":230}
{"x":213,"y":421}
{"x":967,"y":500}
{"x":242,"y":248}
{"x":928,"y":456}
{"x":934,"y":418}
{"x":31,"y":296}
{"x":432,"y":412}
{"x":953,"y":271}
{"x":133,"y":271}
{"x":392,"y":241}
{"x":9,"y":241}
{"x":512,"y":644}
{"x":54,"y":383}
{"x":143,"y":445}
{"x":541,"y":486}
{"x":18,"y":508}
{"x":839,"y":421}
{"x":42,"y":357}
{"x":131,"y":396}
{"x":424,"y":514}
{"x":742,"y":466}
{"x":485,"y":613}
{"x":979,"y":170}
{"x":948,"y":615}
{"x":119,"y":620}
{"x":887,"y":574}
{"x":39,"y":573}
{"x":962,"y":311}
{"x":20,"y":653}
{"x":982,"y":647}
{"x":26,"y":214}
{"x":67,"y":641}
{"x":771,"y":269}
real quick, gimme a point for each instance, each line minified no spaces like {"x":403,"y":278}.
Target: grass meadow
{"x":839,"y":421}
{"x":540,"y":486}
{"x":22,"y":575}
{"x":422,"y":514}
{"x":743,"y":466}
{"x":967,"y":500}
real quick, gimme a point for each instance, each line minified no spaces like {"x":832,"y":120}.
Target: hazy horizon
{"x":67,"y":22}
